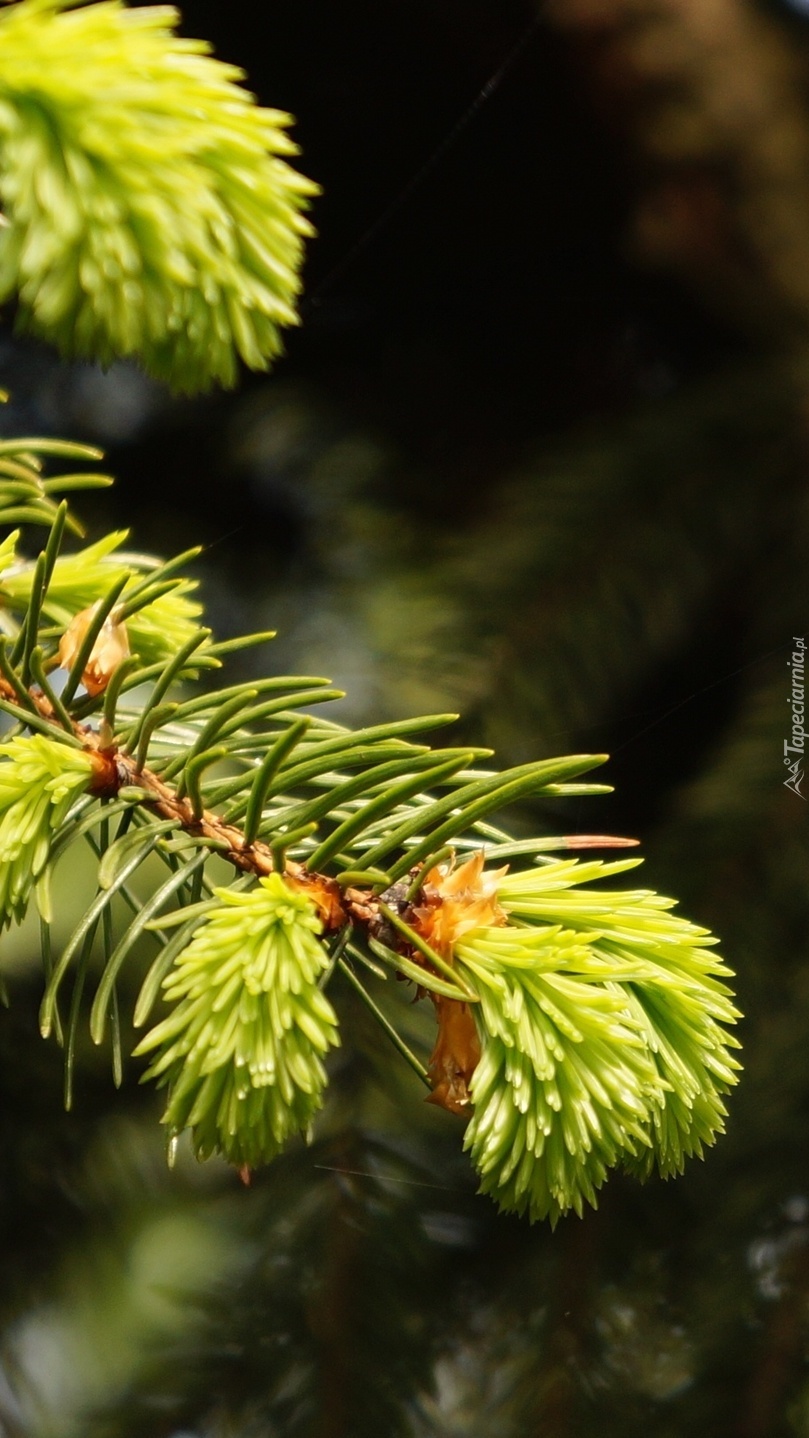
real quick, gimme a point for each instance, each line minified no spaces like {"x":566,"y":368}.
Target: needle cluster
{"x":604,"y":1024}
{"x":40,"y":779}
{"x":242,"y":1048}
{"x":149,"y":207}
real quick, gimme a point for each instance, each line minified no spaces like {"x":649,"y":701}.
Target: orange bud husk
{"x":110,"y":649}
{"x":107,"y":778}
{"x":455,"y":1057}
{"x":324,"y":893}
{"x":455,"y":901}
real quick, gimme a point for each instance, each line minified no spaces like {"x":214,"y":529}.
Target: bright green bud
{"x":148,"y":210}
{"x":80,"y":579}
{"x":242,"y":1048}
{"x":673,"y":991}
{"x":566,"y":1087}
{"x":39,"y":781}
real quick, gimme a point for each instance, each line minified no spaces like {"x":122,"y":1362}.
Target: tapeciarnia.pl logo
{"x":794,"y":751}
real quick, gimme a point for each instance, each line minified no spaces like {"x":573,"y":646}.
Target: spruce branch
{"x":149,"y":211}
{"x":576,"y":1028}
{"x":579,"y":1028}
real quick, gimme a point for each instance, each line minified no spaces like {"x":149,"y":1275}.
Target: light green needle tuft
{"x":79,"y":580}
{"x":603,"y":1019}
{"x":242,"y":1048}
{"x":149,"y":208}
{"x":39,"y":781}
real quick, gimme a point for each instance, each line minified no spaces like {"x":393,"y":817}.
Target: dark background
{"x":538,"y":453}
